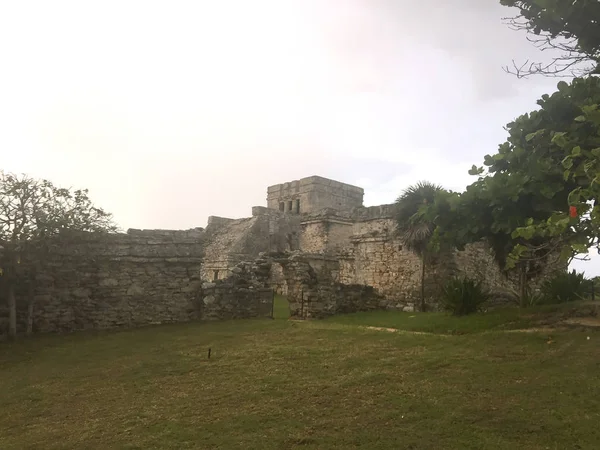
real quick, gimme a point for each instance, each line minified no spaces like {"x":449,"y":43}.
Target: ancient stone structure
{"x":245,"y":293}
{"x":314,"y":242}
{"x":313,"y":194}
{"x":140,"y":278}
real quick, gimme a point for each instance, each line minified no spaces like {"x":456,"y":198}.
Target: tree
{"x":32,"y":213}
{"x":569,"y":129}
{"x":415,"y":224}
{"x":491,"y":209}
{"x":571,"y":27}
{"x":526,"y":186}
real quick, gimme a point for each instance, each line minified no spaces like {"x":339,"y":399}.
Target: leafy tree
{"x":415,"y":224}
{"x":571,"y":27}
{"x":32,"y":212}
{"x":488,"y":211}
{"x":526,"y":190}
{"x":567,"y":129}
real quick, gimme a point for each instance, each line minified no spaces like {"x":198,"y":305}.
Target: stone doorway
{"x":281,"y":307}
{"x":278,"y":283}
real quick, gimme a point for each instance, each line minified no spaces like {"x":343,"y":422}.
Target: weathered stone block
{"x":209,"y":299}
{"x":81,"y":292}
{"x":108,"y":282}
{"x":135,"y":289}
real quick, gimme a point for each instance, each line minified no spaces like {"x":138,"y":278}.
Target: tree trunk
{"x":522,"y":284}
{"x":30,"y":300}
{"x":423,"y":283}
{"x":12,"y":310}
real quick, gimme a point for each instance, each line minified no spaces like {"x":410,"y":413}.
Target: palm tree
{"x":414,"y":225}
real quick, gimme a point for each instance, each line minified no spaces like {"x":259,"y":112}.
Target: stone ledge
{"x":327,"y":220}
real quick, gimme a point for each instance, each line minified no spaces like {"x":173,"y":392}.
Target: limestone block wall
{"x":234,"y":241}
{"x":313,"y":237}
{"x":313,"y":291}
{"x":226,"y":300}
{"x":382,"y":262}
{"x":376,"y":257}
{"x":101,"y":281}
{"x":244,"y":294}
{"x":476,"y":261}
{"x":223,"y":250}
{"x":326,"y":235}
{"x":95,"y":281}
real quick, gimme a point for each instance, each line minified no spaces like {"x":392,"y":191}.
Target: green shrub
{"x":512,"y":295}
{"x":565,"y":287}
{"x":532,"y":298}
{"x":462,"y":296}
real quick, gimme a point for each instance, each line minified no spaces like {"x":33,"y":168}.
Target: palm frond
{"x":414,"y":197}
{"x":415,"y":226}
{"x":416,"y":237}
{"x":417,"y":232}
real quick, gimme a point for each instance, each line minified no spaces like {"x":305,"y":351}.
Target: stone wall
{"x":313,"y":237}
{"x":95,"y":280}
{"x":476,"y":261}
{"x":244,"y":294}
{"x":325,"y":234}
{"x":100,"y":281}
{"x":373,"y":255}
{"x":314,"y":291}
{"x":234,"y":241}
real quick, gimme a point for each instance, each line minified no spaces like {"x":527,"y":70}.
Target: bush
{"x":512,"y":295}
{"x":532,"y":298}
{"x":462,"y":296}
{"x":565,"y":287}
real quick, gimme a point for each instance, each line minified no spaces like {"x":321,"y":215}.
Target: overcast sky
{"x":172,"y":111}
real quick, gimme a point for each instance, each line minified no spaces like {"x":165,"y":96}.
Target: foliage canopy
{"x":32,"y":212}
{"x":571,"y":28}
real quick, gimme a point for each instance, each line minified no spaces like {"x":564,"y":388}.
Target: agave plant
{"x":462,"y":296}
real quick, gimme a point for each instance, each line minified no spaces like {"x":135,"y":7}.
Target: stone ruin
{"x":314,"y":242}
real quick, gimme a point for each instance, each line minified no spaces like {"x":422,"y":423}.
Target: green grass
{"x":279,"y":384}
{"x":444,"y":323}
{"x":440,"y":323}
{"x":281,"y":308}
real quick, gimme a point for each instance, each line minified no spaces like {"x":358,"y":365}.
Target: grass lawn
{"x":331,"y":384}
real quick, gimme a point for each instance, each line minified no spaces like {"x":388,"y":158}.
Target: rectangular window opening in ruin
{"x":298,"y":206}
{"x":290,"y":206}
{"x":281,"y":206}
{"x":215,"y":275}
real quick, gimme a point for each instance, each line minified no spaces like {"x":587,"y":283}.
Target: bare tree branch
{"x":572,"y":62}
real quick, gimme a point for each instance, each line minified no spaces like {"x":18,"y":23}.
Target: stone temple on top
{"x":312,"y":194}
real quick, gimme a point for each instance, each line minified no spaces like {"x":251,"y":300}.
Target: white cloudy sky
{"x":171,"y":111}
